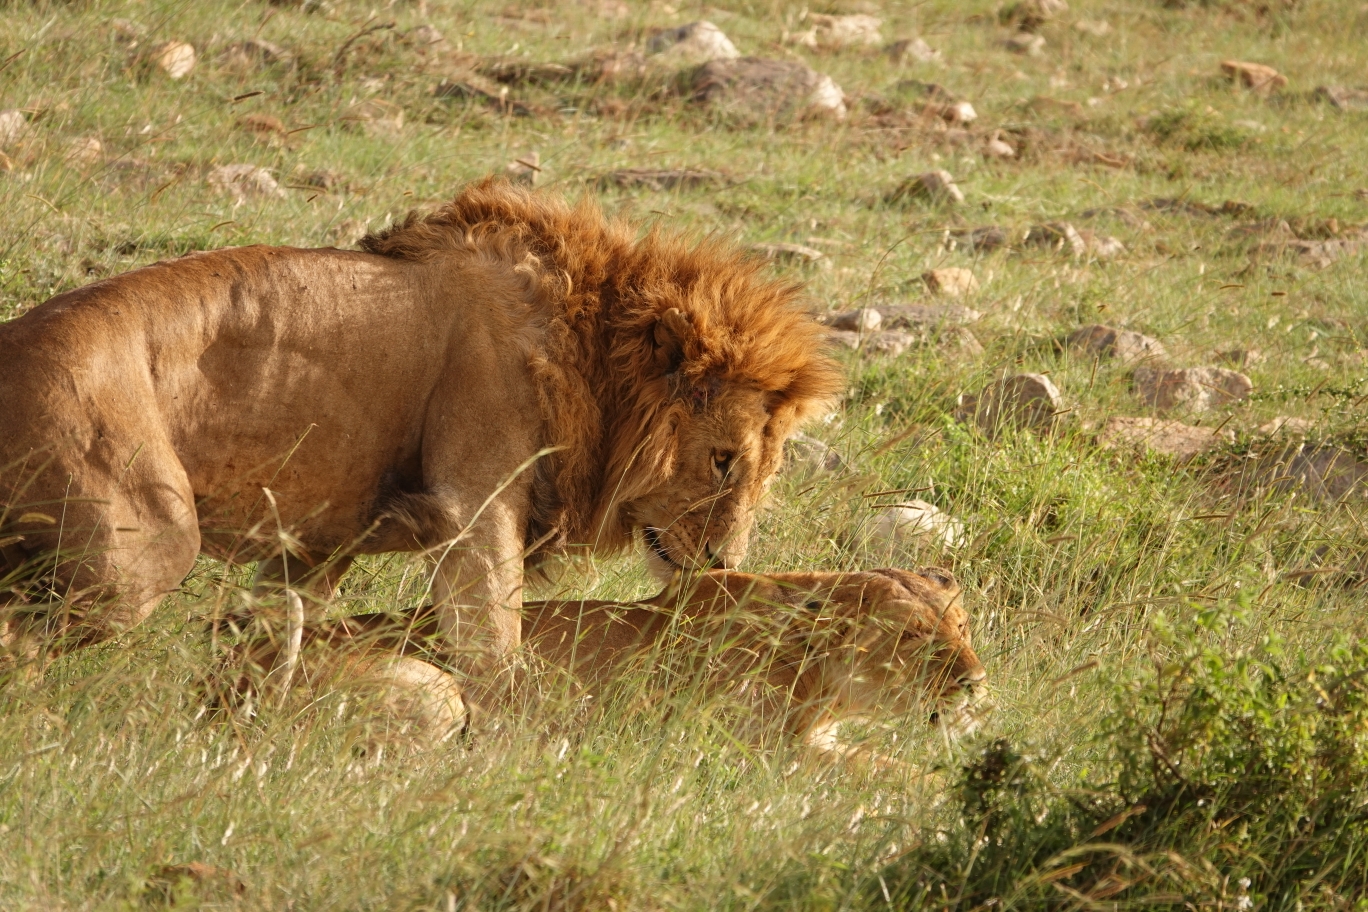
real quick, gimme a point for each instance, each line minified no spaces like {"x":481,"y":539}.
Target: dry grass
{"x":110,"y":768}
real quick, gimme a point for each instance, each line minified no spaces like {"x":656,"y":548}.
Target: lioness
{"x":816,"y":650}
{"x":502,"y":379}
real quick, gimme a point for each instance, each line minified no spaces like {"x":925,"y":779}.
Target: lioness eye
{"x":722,"y":460}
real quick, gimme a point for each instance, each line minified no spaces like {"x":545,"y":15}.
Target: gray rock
{"x":890,"y":342}
{"x":1105,"y":341}
{"x":669,"y":179}
{"x":1023,"y":401}
{"x":1026,"y":43}
{"x":916,"y":524}
{"x":1057,"y":236}
{"x":913,"y":49}
{"x":953,"y":282}
{"x":13,"y":126}
{"x":923,"y":316}
{"x":1191,"y":389}
{"x":865,"y":320}
{"x":690,"y":45}
{"x":806,"y":456}
{"x":757,"y":89}
{"x":935,"y":186}
{"x":1346,"y":99}
{"x":1156,"y":435}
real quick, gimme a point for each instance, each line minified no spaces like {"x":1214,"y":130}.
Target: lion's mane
{"x":602,"y":287}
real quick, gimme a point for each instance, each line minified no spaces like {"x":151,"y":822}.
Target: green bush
{"x":1226,"y":777}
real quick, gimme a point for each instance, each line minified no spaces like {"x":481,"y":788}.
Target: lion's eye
{"x":722,"y":460}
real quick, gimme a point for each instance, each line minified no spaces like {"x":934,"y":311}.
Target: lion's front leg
{"x":477,"y":586}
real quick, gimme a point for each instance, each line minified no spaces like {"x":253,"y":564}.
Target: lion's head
{"x":880,"y":643}
{"x":669,"y":373}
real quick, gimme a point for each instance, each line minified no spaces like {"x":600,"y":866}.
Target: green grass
{"x":1126,"y":607}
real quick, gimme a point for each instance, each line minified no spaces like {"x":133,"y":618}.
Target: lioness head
{"x":722,"y":430}
{"x":883,"y":643}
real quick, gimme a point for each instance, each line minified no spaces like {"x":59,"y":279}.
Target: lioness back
{"x":906,"y":636}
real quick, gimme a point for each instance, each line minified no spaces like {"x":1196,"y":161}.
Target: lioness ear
{"x":672,"y":330}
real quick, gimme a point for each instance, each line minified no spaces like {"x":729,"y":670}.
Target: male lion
{"x":813,"y":651}
{"x":504,"y":378}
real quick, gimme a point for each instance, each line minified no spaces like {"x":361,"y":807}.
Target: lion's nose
{"x":972,"y":681}
{"x":717,"y":557}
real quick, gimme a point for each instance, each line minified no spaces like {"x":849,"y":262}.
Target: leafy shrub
{"x":1228,"y":778}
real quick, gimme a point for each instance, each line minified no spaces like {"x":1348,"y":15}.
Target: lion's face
{"x":892,"y":643}
{"x":729,"y":449}
{"x":912,"y":654}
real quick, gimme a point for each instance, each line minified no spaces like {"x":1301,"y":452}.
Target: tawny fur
{"x":506,"y":376}
{"x":828,"y":648}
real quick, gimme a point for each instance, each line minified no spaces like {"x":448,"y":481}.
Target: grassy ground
{"x":1164,"y":647}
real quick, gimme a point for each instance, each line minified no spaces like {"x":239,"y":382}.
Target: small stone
{"x":1156,"y":435}
{"x":914,"y":523}
{"x":1023,"y":401}
{"x":425,"y":36}
{"x":1057,"y":236}
{"x":1323,"y":473}
{"x":952,"y":282}
{"x":13,"y":126}
{"x":244,"y":181}
{"x":690,"y":45}
{"x":914,"y":49}
{"x":85,"y":150}
{"x":863,"y":320}
{"x":1026,"y":43}
{"x":757,"y":89}
{"x":924,"y":316}
{"x":936,"y":186}
{"x":845,"y":31}
{"x":889,"y":342}
{"x":525,"y":170}
{"x":1094,"y":27}
{"x":1122,"y":344}
{"x":1240,"y":357}
{"x":976,"y":240}
{"x":1318,"y":254}
{"x":174,"y":58}
{"x":1254,"y":76}
{"x":1102,"y":246}
{"x":789,"y":252}
{"x":806,"y":456}
{"x":668,"y":179}
{"x":1192,"y":389}
{"x":1287,"y":427}
{"x":996,"y":148}
{"x":958,"y":112}
{"x":1030,"y":15}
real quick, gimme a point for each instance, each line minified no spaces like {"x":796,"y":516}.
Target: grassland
{"x":1178,"y":701}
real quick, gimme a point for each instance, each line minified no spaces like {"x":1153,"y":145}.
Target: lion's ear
{"x":672,"y":330}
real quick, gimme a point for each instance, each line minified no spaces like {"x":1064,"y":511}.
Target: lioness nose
{"x":972,"y":680}
{"x":717,"y":557}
